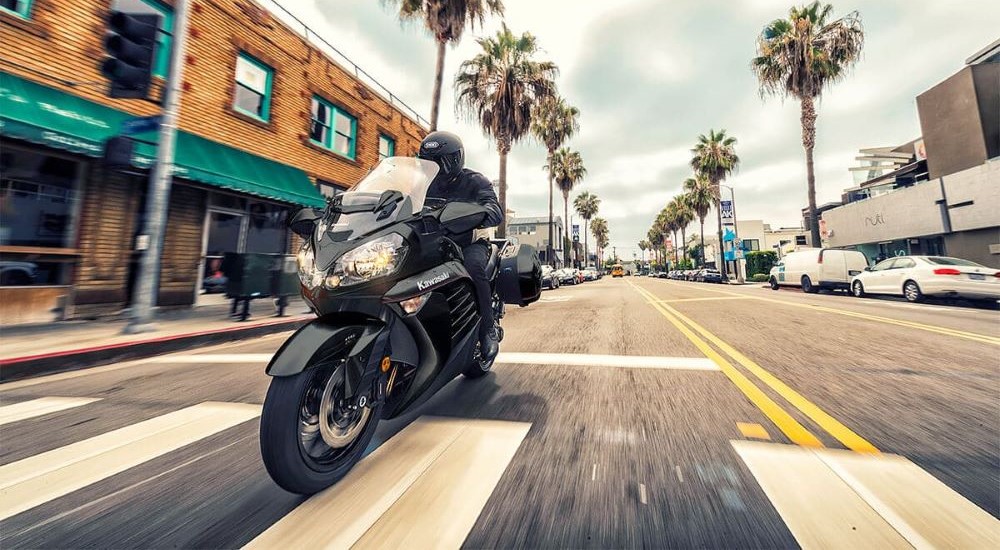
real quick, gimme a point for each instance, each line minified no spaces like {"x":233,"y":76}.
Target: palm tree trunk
{"x":702,"y":241}
{"x":586,"y":254}
{"x":438,"y":80}
{"x":503,"y":149}
{"x":809,"y":142}
{"x":549,"y":251}
{"x":684,"y":250}
{"x":677,"y":258}
{"x":567,"y":243}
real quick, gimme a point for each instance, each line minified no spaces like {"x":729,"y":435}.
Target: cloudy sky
{"x":649,"y":76}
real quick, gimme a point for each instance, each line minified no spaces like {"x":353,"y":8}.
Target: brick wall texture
{"x":62,"y":41}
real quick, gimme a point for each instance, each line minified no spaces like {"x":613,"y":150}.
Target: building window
{"x":161,"y":55}
{"x":266,"y":231}
{"x":800,"y":240}
{"x":751,"y":245}
{"x":329,"y":189}
{"x":253,"y":87}
{"x":386,"y":147}
{"x":21,"y":8}
{"x":39,"y":197}
{"x":333,"y":128}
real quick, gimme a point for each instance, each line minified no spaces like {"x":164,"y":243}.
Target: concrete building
{"x":534,"y":231}
{"x":270,"y":121}
{"x":757,"y":235}
{"x":943,"y":199}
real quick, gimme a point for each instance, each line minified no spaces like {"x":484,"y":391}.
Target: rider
{"x":454,"y":182}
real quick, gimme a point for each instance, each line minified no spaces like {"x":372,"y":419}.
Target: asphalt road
{"x":717,"y":439}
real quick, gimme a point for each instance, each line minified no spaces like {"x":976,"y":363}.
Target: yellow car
{"x":617,"y":271}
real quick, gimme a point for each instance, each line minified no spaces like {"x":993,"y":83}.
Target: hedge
{"x":761,"y":262}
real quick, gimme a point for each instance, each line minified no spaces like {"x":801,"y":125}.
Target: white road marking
{"x":680,"y":476}
{"x":846,"y":499}
{"x":38,"y":479}
{"x":554,"y":299}
{"x":423,"y":488}
{"x":622,"y":361}
{"x":642,"y":493}
{"x":17,"y":384}
{"x":41,"y":406}
{"x":593,"y":473}
{"x":214,"y":358}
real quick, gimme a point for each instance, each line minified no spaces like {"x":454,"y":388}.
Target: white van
{"x":816,"y":268}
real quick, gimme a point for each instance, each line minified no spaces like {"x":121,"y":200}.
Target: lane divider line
{"x":753,"y":430}
{"x":620,"y":361}
{"x":984,"y":338}
{"x":41,"y":406}
{"x":706,"y":299}
{"x":839,"y":431}
{"x":796,"y":432}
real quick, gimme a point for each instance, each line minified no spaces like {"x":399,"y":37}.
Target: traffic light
{"x":130,"y":44}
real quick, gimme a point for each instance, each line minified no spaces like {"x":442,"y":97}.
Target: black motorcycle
{"x":396,"y":319}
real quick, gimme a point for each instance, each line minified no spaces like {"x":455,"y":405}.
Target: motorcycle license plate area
{"x":520,"y":280}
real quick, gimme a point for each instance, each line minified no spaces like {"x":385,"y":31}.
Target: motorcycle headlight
{"x":372,"y":259}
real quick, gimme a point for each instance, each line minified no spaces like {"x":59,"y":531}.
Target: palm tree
{"x":701,"y":195}
{"x":552,"y":123}
{"x":655,"y":239}
{"x":683,"y":215}
{"x":599,"y":227}
{"x":586,"y":205}
{"x":643,"y":246}
{"x":499,"y":87}
{"x":800,"y":57}
{"x":567,"y":169}
{"x":446,"y":20}
{"x":714,"y":156}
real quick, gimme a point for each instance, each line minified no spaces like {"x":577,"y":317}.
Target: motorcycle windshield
{"x":410,"y":176}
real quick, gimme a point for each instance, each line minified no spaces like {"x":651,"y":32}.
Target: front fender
{"x":333,"y":337}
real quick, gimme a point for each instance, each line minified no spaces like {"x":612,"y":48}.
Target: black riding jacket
{"x":468,"y":186}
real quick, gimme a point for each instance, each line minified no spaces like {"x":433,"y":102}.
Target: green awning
{"x":47,"y":116}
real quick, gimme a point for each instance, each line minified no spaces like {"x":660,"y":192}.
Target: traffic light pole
{"x":158,"y":196}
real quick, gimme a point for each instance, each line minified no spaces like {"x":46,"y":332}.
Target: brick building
{"x":268,"y":123}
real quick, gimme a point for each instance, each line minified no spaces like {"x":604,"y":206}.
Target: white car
{"x":816,"y":268}
{"x":915,"y":277}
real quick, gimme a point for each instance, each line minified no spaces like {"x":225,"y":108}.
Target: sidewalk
{"x":42,"y":349}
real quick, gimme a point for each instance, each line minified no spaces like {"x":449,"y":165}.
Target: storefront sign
{"x":728,"y":215}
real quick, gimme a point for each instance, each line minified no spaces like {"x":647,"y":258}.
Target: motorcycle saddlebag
{"x":520,"y":280}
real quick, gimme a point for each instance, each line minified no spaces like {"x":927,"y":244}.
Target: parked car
{"x":590,"y":274}
{"x":567,"y":276}
{"x":711,"y":276}
{"x":550,"y":278}
{"x":816,"y":268}
{"x":915,"y":277}
{"x":690,"y":274}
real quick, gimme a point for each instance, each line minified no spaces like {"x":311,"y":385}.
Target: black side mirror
{"x":304,"y":222}
{"x":868,"y":269}
{"x":459,"y":217}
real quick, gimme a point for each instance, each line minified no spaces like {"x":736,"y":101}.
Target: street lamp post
{"x":736,"y":230}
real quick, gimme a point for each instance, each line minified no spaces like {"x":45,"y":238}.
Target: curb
{"x":48,"y":363}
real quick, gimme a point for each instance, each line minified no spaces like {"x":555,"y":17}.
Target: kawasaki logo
{"x":421,"y":285}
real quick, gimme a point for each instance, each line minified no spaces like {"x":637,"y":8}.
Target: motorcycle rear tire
{"x":280,"y":448}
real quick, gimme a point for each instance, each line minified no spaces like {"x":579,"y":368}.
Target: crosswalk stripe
{"x":41,"y":406}
{"x":621,"y":361}
{"x":38,"y":479}
{"x":460,"y":461}
{"x":835,"y":498}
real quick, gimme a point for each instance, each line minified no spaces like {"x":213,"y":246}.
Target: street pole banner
{"x":728,"y":215}
{"x":576,"y":233}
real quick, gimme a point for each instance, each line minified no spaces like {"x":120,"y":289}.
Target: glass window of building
{"x":800,"y":239}
{"x":253,"y":87}
{"x":386,"y":147}
{"x":329,"y":189}
{"x":333,"y":129}
{"x":21,"y":8}
{"x":39,"y":197}
{"x":161,"y":54}
{"x":267,"y":229}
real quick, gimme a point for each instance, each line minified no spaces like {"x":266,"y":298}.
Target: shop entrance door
{"x":223,"y":231}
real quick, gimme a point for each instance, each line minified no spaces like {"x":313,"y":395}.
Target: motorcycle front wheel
{"x":310,"y":437}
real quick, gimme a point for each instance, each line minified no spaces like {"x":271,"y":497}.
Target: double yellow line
{"x":794,"y":430}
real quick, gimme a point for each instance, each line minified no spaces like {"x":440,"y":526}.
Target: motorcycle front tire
{"x":281,"y":451}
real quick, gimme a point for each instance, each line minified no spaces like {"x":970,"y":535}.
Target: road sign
{"x":728,"y":215}
{"x":576,"y":233}
{"x":141,"y":124}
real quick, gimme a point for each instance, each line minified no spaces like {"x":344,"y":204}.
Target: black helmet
{"x":445,"y":149}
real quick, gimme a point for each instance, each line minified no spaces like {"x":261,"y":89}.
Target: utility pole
{"x":158,"y":196}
